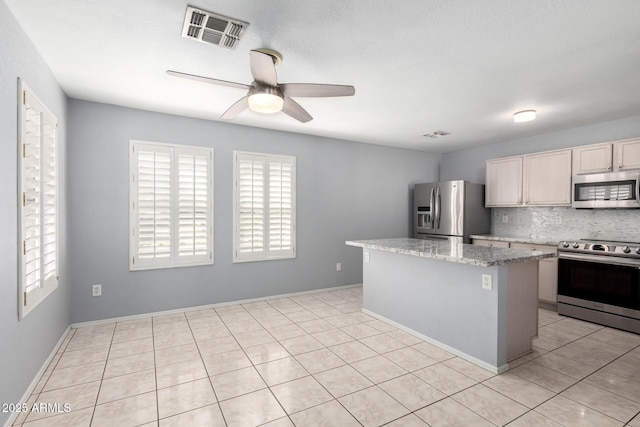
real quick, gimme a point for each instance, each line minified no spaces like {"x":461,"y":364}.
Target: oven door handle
{"x":625,"y":262}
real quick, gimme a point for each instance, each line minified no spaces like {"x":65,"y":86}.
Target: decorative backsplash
{"x":561,"y":223}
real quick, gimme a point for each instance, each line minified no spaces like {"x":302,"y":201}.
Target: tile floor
{"x":317,"y":360}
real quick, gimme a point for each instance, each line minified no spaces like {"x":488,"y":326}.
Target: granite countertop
{"x":516,"y":239}
{"x":443,"y":250}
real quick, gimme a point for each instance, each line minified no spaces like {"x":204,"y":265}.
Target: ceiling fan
{"x":265,"y":94}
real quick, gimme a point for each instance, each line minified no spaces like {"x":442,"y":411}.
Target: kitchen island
{"x":479,"y":303}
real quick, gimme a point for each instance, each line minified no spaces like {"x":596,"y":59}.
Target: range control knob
{"x":575,"y":246}
{"x":566,"y":245}
{"x":626,"y":249}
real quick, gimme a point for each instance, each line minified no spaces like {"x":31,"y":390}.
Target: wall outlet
{"x":339,"y":266}
{"x":558,"y":219}
{"x":487,"y":282}
{"x":96,"y":290}
{"x":366,"y":256}
{"x":505,"y":218}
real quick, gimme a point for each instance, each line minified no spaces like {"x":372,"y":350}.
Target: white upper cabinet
{"x":627,"y":154}
{"x":547,"y":178}
{"x":592,"y":159}
{"x":504,"y":182}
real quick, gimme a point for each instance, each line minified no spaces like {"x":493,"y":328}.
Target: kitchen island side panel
{"x":442,"y":300}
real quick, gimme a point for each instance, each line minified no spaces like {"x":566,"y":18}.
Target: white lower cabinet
{"x":547,"y":268}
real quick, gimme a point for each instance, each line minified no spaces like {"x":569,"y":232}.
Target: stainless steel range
{"x":599,"y":281}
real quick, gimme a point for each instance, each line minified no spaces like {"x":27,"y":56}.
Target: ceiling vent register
{"x":212,"y":28}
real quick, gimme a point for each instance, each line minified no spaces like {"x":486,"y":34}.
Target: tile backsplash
{"x":561,"y":223}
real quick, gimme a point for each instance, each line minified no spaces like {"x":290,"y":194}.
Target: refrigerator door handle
{"x":432,"y":202}
{"x":438,"y":201}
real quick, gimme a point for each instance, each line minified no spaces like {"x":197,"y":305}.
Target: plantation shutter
{"x":38,"y":201}
{"x":264,"y":207}
{"x":171,"y":206}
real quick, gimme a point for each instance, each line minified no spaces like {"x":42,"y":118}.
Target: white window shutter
{"x":38,"y":201}
{"x":264,"y":207}
{"x":171,"y":206}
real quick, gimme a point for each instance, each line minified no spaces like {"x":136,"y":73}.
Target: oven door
{"x":605,"y":280}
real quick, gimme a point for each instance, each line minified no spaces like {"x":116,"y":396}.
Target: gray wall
{"x":469,"y":164}
{"x":27,"y":343}
{"x":345,"y":190}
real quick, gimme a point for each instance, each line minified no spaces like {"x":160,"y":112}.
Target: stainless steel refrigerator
{"x":450,"y":210}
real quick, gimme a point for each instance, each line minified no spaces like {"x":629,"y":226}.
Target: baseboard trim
{"x":475,"y":361}
{"x":36,"y":379}
{"x":203,"y":307}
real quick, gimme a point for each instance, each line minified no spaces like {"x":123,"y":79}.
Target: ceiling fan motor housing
{"x":264,"y":98}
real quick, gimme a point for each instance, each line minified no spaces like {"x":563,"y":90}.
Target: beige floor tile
{"x":412,"y":392}
{"x":133,"y":324}
{"x":181,"y":353}
{"x":80,"y":418}
{"x":381,"y":326}
{"x":127,"y":385}
{"x":65,"y":377}
{"x":209,"y":333}
{"x":185,"y":397}
{"x":95,"y":330}
{"x":301,"y":316}
{"x":172,"y":340}
{"x":577,"y":326}
{"x":535,"y":353}
{"x":590,"y":352}
{"x":444,"y":378}
{"x":301,"y":344}
{"x":252,"y":409}
{"x":209,"y":416}
{"x":179,"y":373}
{"x":79,"y":343}
{"x":343,"y":380}
{"x":129,"y":348}
{"x":410,"y":359}
{"x":328,"y":414}
{"x":128,"y":412}
{"x":123,"y":335}
{"x":319,"y":360}
{"x":129,"y":364}
{"x":316,"y":325}
{"x":624,"y":369}
{"x":284,"y":332}
{"x":237,"y":316}
{"x":266,"y":352}
{"x":407,"y":421}
{"x":546,"y":344}
{"x":325,"y":311}
{"x":22,"y":415}
{"x":235,"y":383}
{"x":352,"y":351}
{"x":474,"y":372}
{"x":243,"y":326}
{"x":76,"y":397}
{"x":225,"y":362}
{"x":332,"y":337}
{"x":382,"y":343}
{"x":450,"y":413}
{"x":569,"y":413}
{"x":300,"y":394}
{"x":181,"y":327}
{"x":373,"y":407}
{"x":206,"y":322}
{"x":281,"y":370}
{"x":634,"y":422}
{"x":82,"y":357}
{"x":632,"y":357}
{"x":275,"y":320}
{"x":616,"y":384}
{"x":434,"y":352}
{"x":360,"y":330}
{"x":342,"y":320}
{"x":519,"y":389}
{"x":168,"y":318}
{"x":545,"y":377}
{"x":533,"y":419}
{"x":404,"y":337}
{"x":200,"y":313}
{"x":564,"y":365}
{"x":218,"y":345}
{"x":490,"y":404}
{"x":608,"y":403}
{"x":253,"y":338}
{"x":378,"y":369}
{"x":557,"y":334}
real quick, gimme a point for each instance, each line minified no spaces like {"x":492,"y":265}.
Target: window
{"x":171,"y":210}
{"x":38,"y":201}
{"x":264,"y":207}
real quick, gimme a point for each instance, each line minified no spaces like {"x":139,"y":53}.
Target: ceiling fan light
{"x":265,"y":103}
{"x":524,"y":116}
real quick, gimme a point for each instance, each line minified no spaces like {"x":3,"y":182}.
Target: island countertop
{"x":443,"y":250}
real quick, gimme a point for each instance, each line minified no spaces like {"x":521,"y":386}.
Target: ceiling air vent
{"x":437,"y":134}
{"x":212,"y":28}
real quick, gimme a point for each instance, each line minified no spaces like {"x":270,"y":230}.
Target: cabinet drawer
{"x":534,"y":247}
{"x":491,"y":243}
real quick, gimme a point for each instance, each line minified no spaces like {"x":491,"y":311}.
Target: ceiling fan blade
{"x":208,"y":80}
{"x":316,"y":90}
{"x":295,"y":110}
{"x":262,"y":68}
{"x":240,"y":105}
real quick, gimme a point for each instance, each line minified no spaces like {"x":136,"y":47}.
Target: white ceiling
{"x":418,"y":65}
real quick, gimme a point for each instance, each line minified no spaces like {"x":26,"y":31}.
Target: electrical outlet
{"x":366,"y":256}
{"x":558,"y":219}
{"x":486,"y":282}
{"x":96,"y":290}
{"x":505,"y":218}
{"x":339,"y":266}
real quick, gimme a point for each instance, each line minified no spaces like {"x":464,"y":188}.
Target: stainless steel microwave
{"x":606,"y":190}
